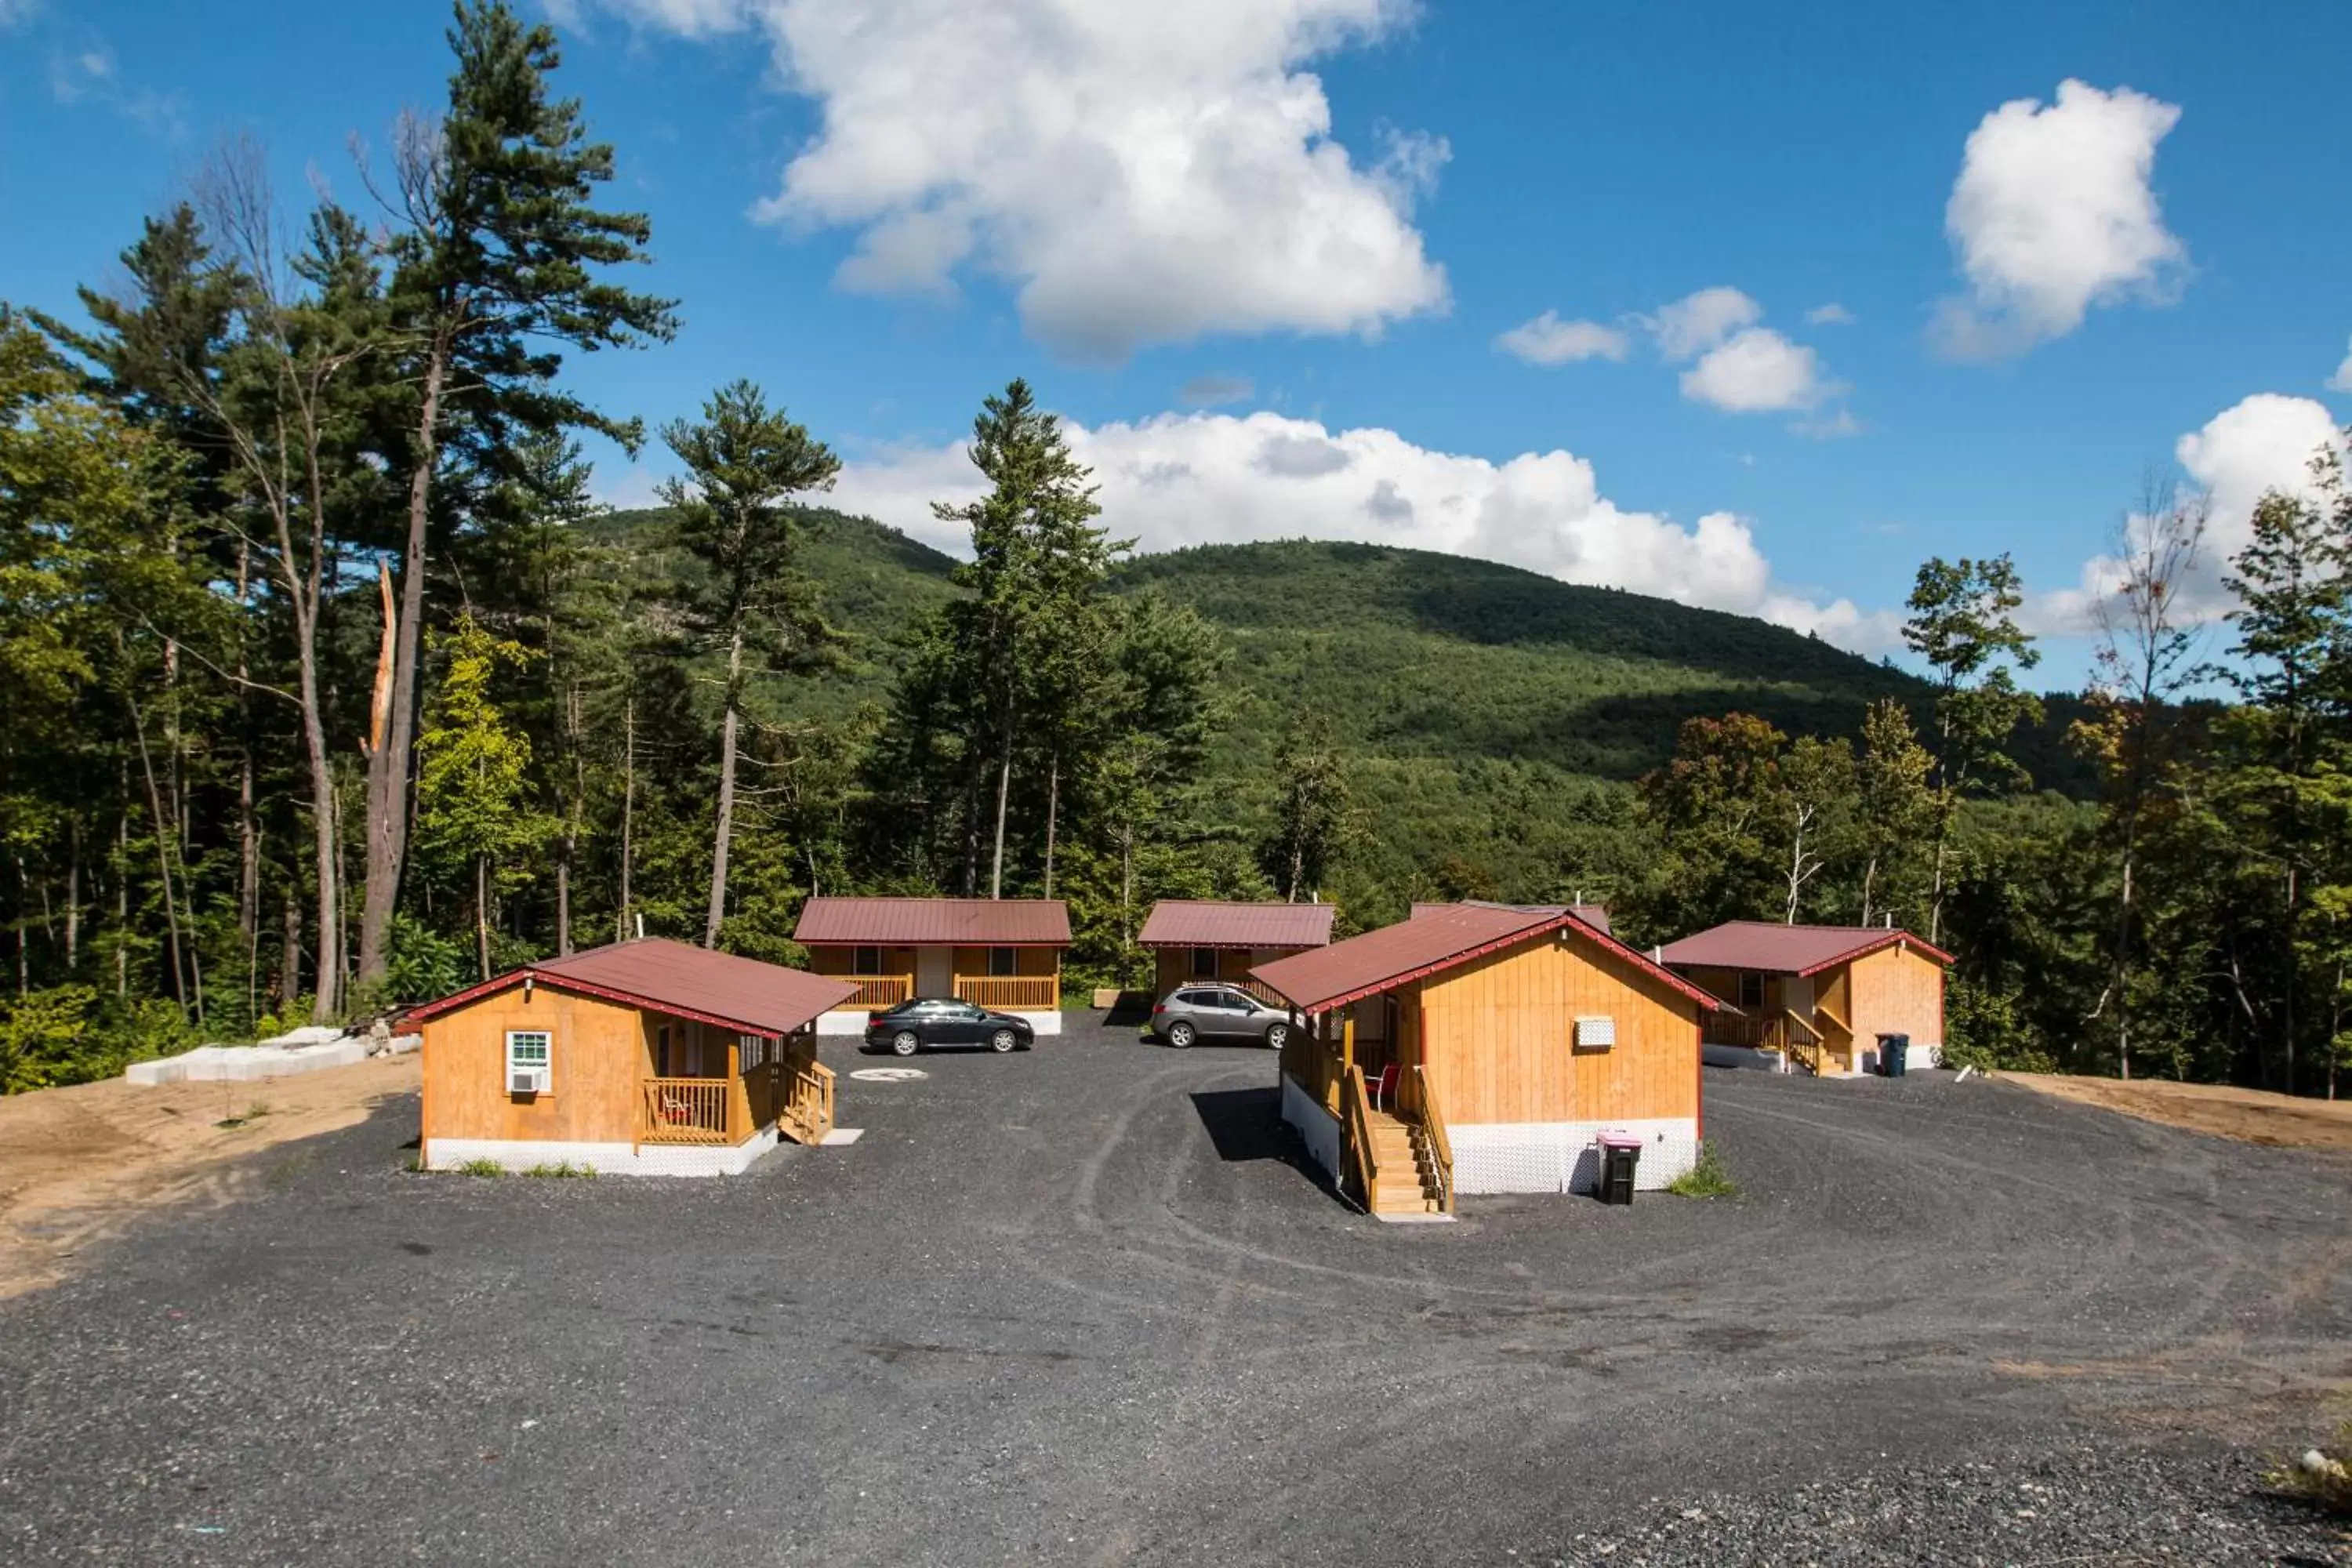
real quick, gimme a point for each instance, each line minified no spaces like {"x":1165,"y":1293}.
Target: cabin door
{"x":935,"y":972}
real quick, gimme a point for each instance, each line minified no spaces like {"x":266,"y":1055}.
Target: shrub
{"x":2321,"y":1478}
{"x":1984,"y":1028}
{"x":1708,"y":1179}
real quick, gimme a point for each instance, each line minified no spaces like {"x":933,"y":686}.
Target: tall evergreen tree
{"x":502,"y":261}
{"x":744,"y":463}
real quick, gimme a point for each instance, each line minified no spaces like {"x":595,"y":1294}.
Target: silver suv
{"x":1209,"y":1011}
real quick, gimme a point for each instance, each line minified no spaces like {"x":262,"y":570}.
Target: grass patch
{"x":562,"y":1169}
{"x":485,"y":1167}
{"x":2325,"y":1484}
{"x":1708,"y":1179}
{"x":253,"y":1112}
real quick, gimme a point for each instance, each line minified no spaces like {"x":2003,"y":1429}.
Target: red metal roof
{"x":1787,"y":949}
{"x":1198,"y":923}
{"x":1382,"y":960}
{"x":739,"y":994}
{"x":917,"y":923}
{"x":1594,"y":915}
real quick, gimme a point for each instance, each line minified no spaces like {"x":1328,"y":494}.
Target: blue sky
{"x":1266,"y":255}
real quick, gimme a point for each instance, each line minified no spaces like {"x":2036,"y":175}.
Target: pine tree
{"x":744,"y":463}
{"x":502,"y":260}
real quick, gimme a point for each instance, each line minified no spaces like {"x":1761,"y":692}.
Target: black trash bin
{"x":1892,"y":1051}
{"x":1619,"y":1159}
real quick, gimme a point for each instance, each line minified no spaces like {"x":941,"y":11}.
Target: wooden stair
{"x":1409,"y":1182}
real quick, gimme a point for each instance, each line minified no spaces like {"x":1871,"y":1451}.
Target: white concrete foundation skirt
{"x":516,"y":1155}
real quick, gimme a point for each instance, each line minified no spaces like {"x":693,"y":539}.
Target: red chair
{"x":1384,"y":1087}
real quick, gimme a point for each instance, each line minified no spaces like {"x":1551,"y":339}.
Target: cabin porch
{"x":1784,"y":1021}
{"x":1025,"y":981}
{"x":1388,"y":1150}
{"x":710,"y":1091}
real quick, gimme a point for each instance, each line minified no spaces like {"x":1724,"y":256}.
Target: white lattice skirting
{"x":852,"y":1021}
{"x":1565,"y":1156}
{"x":518,"y":1154}
{"x":1318,"y":1128}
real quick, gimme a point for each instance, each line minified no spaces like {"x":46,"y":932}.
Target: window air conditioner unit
{"x":527,"y":1081}
{"x":1595,"y":1034}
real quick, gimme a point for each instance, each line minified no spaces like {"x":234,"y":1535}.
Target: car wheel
{"x":1277,"y":1036}
{"x":1181,"y":1035}
{"x":904,"y":1042}
{"x":1001,"y":1041}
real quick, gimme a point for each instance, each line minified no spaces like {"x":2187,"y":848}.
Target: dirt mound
{"x":76,"y":1163}
{"x":2250,"y":1115}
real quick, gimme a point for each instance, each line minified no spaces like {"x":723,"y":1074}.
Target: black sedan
{"x":927,"y":1021}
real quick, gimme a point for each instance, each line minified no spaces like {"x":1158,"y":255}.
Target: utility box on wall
{"x":1597,"y":1034}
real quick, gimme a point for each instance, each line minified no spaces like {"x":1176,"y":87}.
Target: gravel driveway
{"x":1083,"y":1305}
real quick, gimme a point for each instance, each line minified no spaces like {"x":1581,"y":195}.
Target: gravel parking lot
{"x":1084,"y":1305}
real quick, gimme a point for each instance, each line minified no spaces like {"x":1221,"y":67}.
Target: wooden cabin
{"x":1001,"y":953}
{"x":647,"y":1058}
{"x":1195,"y":940}
{"x":1518,"y":1041}
{"x":1815,"y":997}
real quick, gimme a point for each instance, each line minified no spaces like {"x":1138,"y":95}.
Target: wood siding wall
{"x":1233,"y":963}
{"x":832,"y":960}
{"x":1499,"y":1037}
{"x":1897,"y":991}
{"x":599,"y":1052}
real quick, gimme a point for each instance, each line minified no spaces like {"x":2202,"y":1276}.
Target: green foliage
{"x":1987,"y":1029}
{"x":486,"y":1168}
{"x":561,"y":1170}
{"x":426,"y":963}
{"x":1706,"y":1179}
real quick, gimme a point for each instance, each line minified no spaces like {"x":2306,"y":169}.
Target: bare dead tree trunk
{"x":162,"y":854}
{"x":570,"y":847}
{"x":725,"y":826}
{"x":628,"y":808}
{"x":289,"y":955}
{"x":1053,"y":816}
{"x":482,"y":914}
{"x":122,"y":891}
{"x":1004,"y":800}
{"x":73,"y":895}
{"x":1869,"y":884}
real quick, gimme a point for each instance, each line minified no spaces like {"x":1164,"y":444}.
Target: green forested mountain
{"x":1490,"y":718}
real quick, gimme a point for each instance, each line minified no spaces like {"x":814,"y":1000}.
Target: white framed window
{"x":531,"y":1061}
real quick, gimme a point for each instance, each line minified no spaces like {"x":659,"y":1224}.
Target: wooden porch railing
{"x":1356,"y":1138}
{"x":808,"y":1106}
{"x":1801,"y":1040}
{"x":1420,"y":1099}
{"x":687,"y":1110}
{"x":1019,"y":993}
{"x":879,"y":990}
{"x":1264,"y":992}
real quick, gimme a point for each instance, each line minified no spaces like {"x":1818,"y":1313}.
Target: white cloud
{"x":76,"y":74}
{"x":1547,"y":340}
{"x":2053,"y":214}
{"x":17,"y":12}
{"x":2257,"y":445}
{"x":1138,"y":173}
{"x":1696,"y":322}
{"x":1195,"y":479}
{"x":1207,"y":391}
{"x":1829,"y":315}
{"x":2342,"y":379}
{"x":1756,"y":370}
